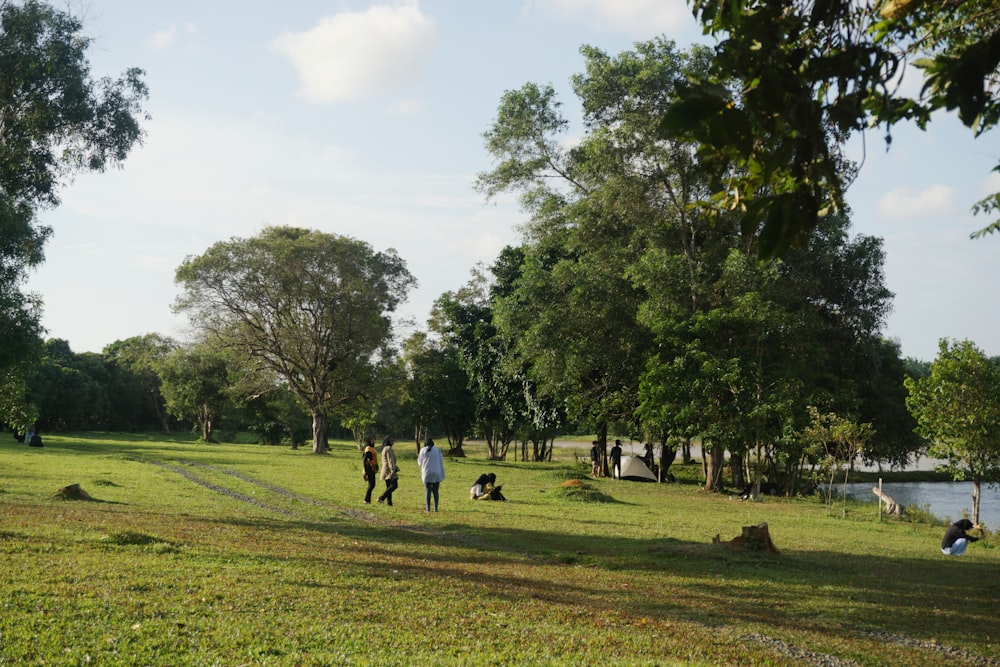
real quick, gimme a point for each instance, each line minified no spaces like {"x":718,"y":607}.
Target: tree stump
{"x":892,"y":508}
{"x":753,"y":538}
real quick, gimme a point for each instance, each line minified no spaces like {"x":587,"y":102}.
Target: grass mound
{"x":73,"y":492}
{"x":131,"y":538}
{"x":579,"y":491}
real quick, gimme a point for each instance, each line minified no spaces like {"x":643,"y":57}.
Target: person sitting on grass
{"x":485,"y":488}
{"x":956,"y":539}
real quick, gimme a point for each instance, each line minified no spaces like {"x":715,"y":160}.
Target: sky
{"x":365,"y":119}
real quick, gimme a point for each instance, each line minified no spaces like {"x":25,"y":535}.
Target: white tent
{"x":634,"y":469}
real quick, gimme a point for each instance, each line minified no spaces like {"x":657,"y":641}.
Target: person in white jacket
{"x":431,"y":463}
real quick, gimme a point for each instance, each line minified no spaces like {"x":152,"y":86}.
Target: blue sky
{"x":365,"y":119}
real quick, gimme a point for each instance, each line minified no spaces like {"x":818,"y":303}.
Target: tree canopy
{"x":55,"y":121}
{"x":957,"y":408}
{"x":638,"y":305}
{"x":302,"y":307}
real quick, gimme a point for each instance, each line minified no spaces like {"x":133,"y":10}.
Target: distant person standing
{"x":616,"y":460}
{"x":431,"y":462}
{"x":647,"y":456}
{"x":369,"y":463}
{"x":956,"y":539}
{"x":595,"y":460}
{"x":390,"y":472}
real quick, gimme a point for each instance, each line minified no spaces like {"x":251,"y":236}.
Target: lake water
{"x":945,"y":500}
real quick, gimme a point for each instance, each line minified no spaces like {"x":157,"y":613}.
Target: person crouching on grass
{"x":956,"y":539}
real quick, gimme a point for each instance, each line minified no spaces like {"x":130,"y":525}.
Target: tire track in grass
{"x":357,"y":515}
{"x":187,"y":474}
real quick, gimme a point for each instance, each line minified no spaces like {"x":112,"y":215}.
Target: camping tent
{"x":635,"y":470}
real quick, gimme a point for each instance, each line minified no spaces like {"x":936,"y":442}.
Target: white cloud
{"x":642,"y":17}
{"x":357,"y":54}
{"x":163,"y":38}
{"x":902,"y":203}
{"x":170,"y":36}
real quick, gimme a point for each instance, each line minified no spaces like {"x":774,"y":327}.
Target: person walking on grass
{"x":390,"y":472}
{"x":431,"y":462}
{"x":369,"y":463}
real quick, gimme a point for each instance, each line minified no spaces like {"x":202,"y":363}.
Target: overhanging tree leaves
{"x":308,"y":307}
{"x":55,"y":121}
{"x":792,"y":81}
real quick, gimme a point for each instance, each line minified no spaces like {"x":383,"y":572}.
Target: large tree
{"x":573,"y":312}
{"x":55,"y":121}
{"x":310,"y":308}
{"x":957,"y":408}
{"x":792,"y":81}
{"x":629,"y":274}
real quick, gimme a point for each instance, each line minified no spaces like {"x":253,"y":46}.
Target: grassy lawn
{"x":193,"y":554}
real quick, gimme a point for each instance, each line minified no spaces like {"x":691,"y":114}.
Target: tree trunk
{"x":319,"y":433}
{"x":736,"y":471}
{"x":976,"y":495}
{"x":668,"y":454}
{"x":715,"y":459}
{"x":161,"y":413}
{"x":602,"y":443}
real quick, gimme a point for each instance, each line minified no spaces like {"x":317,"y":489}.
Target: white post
{"x":880,"y":500}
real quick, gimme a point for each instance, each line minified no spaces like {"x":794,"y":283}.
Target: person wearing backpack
{"x":369,"y":463}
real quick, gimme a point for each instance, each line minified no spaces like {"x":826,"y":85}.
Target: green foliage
{"x":194,"y":383}
{"x":633,"y":303}
{"x":438,"y":388}
{"x":791,"y":81}
{"x":957,"y":408}
{"x":55,"y":121}
{"x":303,"y":308}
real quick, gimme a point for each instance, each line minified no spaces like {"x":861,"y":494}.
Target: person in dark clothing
{"x":616,"y":460}
{"x":595,"y":460}
{"x":369,"y":463}
{"x":956,"y":539}
{"x":647,"y":455}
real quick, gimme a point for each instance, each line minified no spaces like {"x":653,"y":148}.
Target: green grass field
{"x":194,"y":554}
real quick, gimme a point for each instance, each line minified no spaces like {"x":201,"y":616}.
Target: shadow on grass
{"x":670,"y":579}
